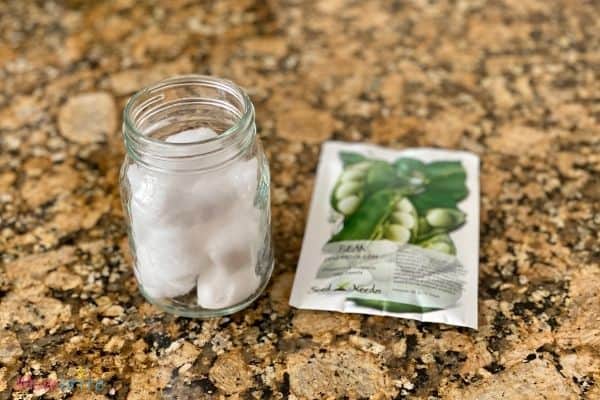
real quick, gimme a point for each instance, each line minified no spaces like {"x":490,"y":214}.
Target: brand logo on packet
{"x":346,"y":288}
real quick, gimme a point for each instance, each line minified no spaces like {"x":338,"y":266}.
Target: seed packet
{"x":394,"y":233}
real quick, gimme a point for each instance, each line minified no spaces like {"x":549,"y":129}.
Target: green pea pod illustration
{"x":445,"y":218}
{"x":439,"y":221}
{"x":440,"y":242}
{"x":391,"y":306}
{"x":367,"y":222}
{"x":402,"y":226}
{"x":379,"y":175}
{"x":423,"y":227}
{"x":387,"y":214}
{"x":349,"y":190}
{"x":359,"y":180}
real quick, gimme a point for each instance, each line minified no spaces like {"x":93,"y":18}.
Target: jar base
{"x":171,"y":307}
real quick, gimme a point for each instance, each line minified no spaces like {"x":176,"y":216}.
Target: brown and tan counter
{"x":514,"y":81}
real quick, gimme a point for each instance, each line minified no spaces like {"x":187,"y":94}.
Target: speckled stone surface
{"x":515,"y":81}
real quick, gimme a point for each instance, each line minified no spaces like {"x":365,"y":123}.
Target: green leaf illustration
{"x":410,"y":167}
{"x":444,"y":187}
{"x":349,"y":158}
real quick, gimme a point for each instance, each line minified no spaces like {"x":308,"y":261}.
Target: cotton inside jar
{"x":198,"y":203}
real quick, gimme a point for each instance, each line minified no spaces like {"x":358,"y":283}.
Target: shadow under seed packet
{"x":394,"y":233}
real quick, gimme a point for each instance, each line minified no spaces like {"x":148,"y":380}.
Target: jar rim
{"x":245,"y":119}
{"x":158,"y":154}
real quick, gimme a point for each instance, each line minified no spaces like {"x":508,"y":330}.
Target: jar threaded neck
{"x":182,"y":103}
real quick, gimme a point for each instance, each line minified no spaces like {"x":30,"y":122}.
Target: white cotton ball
{"x":233,"y":250}
{"x":234,"y":244}
{"x":161,"y":194}
{"x":171,"y":199}
{"x":147,"y":224}
{"x":168,"y":260}
{"x":215,"y":288}
{"x":217,"y":189}
{"x":196,"y":229}
{"x":158,"y":284}
{"x":152,"y":193}
{"x":220,"y":287}
{"x":165,"y":288}
{"x":215,"y":186}
{"x":243,"y":175}
{"x":215,"y":194}
{"x":134,"y":177}
{"x":166,"y":200}
{"x":192,"y":135}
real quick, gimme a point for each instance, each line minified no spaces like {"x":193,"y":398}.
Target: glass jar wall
{"x":195,"y":188}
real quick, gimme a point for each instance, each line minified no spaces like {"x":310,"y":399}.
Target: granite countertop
{"x":515,"y":81}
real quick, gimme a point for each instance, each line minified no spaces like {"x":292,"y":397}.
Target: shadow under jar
{"x":195,"y":188}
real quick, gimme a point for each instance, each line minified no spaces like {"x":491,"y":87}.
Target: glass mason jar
{"x":195,"y":190}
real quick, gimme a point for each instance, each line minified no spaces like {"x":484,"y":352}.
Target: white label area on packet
{"x":383,"y":270}
{"x":392,"y":233}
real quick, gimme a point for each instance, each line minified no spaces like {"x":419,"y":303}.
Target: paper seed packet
{"x":392,"y":232}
